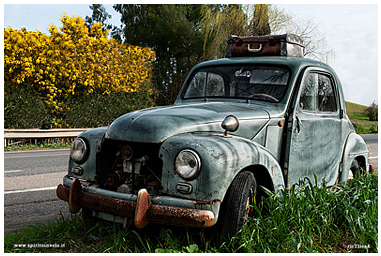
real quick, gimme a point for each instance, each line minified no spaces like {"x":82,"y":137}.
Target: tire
{"x":354,"y":170}
{"x":236,"y":210}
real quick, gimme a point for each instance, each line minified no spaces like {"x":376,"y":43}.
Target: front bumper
{"x":140,"y":208}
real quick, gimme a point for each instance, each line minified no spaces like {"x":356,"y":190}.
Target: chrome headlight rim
{"x":79,"y":150}
{"x":188,"y":172}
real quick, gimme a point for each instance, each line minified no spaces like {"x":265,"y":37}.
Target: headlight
{"x":78,"y":150}
{"x":188,"y":164}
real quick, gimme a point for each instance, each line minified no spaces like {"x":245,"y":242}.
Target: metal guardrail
{"x":42,"y":133}
{"x":19,"y":134}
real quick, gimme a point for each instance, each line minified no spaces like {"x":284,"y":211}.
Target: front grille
{"x":127,"y":167}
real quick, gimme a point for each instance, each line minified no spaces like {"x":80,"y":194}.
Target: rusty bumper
{"x":142,"y":211}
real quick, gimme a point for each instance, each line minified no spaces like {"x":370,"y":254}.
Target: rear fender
{"x":355,"y":147}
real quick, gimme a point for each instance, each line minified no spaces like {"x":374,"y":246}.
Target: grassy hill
{"x":360,"y":120}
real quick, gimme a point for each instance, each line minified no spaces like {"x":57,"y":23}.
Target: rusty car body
{"x":238,"y":123}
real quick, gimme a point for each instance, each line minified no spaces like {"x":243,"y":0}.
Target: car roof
{"x":293,"y":62}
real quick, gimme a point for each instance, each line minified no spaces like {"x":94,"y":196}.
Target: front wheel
{"x":239,"y":197}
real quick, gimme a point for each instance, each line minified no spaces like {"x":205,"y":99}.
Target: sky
{"x":351,"y":30}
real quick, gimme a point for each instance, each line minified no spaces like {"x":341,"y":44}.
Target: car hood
{"x":158,"y":124}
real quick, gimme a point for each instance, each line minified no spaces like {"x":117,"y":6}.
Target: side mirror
{"x":230,"y":124}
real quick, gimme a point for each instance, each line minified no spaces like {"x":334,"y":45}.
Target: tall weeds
{"x":308,"y":218}
{"x":305,"y":218}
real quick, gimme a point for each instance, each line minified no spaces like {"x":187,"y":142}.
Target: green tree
{"x":172,"y":31}
{"x":255,"y":20}
{"x":218,"y":22}
{"x":99,"y":15}
{"x":372,"y":112}
{"x":184,"y":35}
{"x":259,"y":24}
{"x":224,"y":20}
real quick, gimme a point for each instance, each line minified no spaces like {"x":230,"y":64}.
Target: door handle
{"x":298,"y":124}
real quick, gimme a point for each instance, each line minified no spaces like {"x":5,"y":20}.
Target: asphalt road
{"x":30,"y":180}
{"x":31,"y":177}
{"x":372,"y":142}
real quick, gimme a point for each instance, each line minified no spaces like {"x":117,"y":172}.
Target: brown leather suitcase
{"x":289,"y":45}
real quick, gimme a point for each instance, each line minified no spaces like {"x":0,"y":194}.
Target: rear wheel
{"x":354,"y":170}
{"x":238,"y":200}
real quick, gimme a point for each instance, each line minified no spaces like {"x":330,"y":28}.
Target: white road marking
{"x":29,"y":156}
{"x":28,"y":190}
{"x":31,"y":182}
{"x":13,"y":171}
{"x":36,"y":151}
{"x":373,"y":157}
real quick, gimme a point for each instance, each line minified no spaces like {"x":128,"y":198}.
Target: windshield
{"x":248,"y":82}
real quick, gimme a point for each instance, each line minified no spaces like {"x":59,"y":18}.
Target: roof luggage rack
{"x":288,"y":45}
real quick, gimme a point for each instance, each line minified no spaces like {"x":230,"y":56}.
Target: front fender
{"x":355,"y":147}
{"x":221,"y":159}
{"x":93,"y":140}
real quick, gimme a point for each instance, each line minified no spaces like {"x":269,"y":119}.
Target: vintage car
{"x":238,"y":124}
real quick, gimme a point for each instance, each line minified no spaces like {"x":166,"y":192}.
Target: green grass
{"x":318,"y":219}
{"x":303,"y":219}
{"x":39,"y":146}
{"x":360,"y":120}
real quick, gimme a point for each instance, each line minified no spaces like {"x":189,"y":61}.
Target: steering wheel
{"x":265,"y":95}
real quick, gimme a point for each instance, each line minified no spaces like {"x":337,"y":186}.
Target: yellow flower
{"x":55,"y":64}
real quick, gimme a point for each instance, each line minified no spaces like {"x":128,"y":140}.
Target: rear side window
{"x":326,"y":95}
{"x":318,"y":94}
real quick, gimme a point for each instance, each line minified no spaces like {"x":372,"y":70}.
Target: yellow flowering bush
{"x":73,"y":60}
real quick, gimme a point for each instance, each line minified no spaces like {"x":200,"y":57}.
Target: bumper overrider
{"x":140,"y":208}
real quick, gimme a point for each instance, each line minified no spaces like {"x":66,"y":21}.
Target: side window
{"x":318,"y":93}
{"x":326,"y":95}
{"x":308,"y":93}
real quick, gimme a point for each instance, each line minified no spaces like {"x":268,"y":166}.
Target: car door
{"x":314,"y":134}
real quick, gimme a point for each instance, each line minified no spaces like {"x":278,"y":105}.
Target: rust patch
{"x":62,"y":193}
{"x":371,"y":168}
{"x":127,"y":152}
{"x":142,"y":204}
{"x":215,"y":201}
{"x":74,"y":196}
{"x":208,"y":203}
{"x":155,"y":183}
{"x":180,"y":216}
{"x":333,"y":188}
{"x":126,"y":208}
